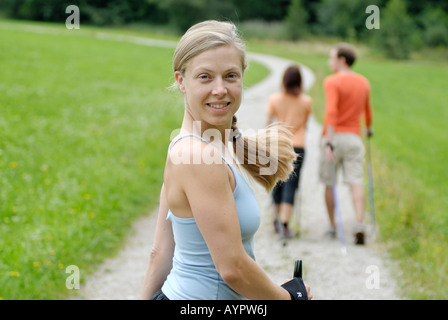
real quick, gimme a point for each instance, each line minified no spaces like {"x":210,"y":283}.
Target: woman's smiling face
{"x":212,"y":85}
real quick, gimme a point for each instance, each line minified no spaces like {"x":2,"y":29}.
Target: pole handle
{"x":298,"y":269}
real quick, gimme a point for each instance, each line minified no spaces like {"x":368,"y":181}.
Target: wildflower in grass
{"x":52,"y":252}
{"x":13,"y":164}
{"x":14,"y":274}
{"x":36,"y":264}
{"x":48,"y":262}
{"x":61,"y":266}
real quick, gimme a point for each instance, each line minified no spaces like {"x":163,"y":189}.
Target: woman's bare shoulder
{"x":190,"y":158}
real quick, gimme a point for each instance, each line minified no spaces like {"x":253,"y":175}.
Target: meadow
{"x":85,"y":124}
{"x":81,"y":123}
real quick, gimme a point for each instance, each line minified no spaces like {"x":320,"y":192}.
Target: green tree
{"x":435,"y":26}
{"x":267,"y":10}
{"x":397,"y":30}
{"x":98,"y":12}
{"x":182,"y":14}
{"x":342,"y":18}
{"x":296,"y":20}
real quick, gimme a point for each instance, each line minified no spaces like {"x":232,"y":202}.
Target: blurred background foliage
{"x":405,"y":25}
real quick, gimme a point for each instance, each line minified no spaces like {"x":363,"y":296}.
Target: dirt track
{"x":330,"y":274}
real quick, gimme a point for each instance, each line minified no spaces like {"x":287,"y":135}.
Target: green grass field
{"x":411,"y":140}
{"x":83,"y":124}
{"x":84,"y":128}
{"x":409,"y":150}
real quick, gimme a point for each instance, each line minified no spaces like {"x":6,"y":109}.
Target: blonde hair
{"x":212,"y":34}
{"x":204,"y":36}
{"x":272,"y":146}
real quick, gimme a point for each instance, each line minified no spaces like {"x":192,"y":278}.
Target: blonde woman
{"x":208,"y":214}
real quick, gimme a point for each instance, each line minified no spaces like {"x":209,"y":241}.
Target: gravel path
{"x":365,"y":272}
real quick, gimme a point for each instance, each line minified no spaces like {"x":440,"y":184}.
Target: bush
{"x":435,"y":27}
{"x":342,"y":18}
{"x":397,"y":31}
{"x":296,"y":20}
{"x":258,"y":29}
{"x":97,"y":12}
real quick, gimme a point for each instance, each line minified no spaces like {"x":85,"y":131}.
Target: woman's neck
{"x":204,"y":129}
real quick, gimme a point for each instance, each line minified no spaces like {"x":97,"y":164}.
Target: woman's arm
{"x":160,"y":260}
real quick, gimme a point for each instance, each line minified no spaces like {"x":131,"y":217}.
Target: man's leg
{"x":358,"y":201}
{"x":329,"y":201}
{"x":353,"y":165}
{"x":325,"y":176}
{"x":358,"y":204}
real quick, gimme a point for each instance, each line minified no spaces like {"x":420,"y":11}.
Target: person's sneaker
{"x":331,"y":233}
{"x":359,"y":234}
{"x":288,"y":233}
{"x":276,"y":224}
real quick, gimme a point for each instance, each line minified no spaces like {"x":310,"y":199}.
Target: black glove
{"x":296,"y":286}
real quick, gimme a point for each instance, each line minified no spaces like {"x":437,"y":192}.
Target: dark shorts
{"x":284,"y":192}
{"x":159,"y":295}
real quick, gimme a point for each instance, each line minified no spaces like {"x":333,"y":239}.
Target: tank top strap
{"x":175,"y":140}
{"x":184,"y":136}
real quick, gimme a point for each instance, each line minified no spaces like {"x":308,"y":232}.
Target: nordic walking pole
{"x":369,"y":170}
{"x":338,"y":211}
{"x":296,"y":287}
{"x":298,"y":269}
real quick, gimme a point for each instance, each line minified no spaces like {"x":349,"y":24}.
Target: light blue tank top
{"x":194,"y":276}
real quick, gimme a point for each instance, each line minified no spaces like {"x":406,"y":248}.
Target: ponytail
{"x":268,"y":156}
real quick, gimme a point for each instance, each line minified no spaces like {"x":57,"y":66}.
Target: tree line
{"x":405,"y":25}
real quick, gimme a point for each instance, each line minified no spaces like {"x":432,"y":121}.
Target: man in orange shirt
{"x":347,"y":101}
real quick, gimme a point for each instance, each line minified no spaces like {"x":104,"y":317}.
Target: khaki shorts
{"x":348,"y":154}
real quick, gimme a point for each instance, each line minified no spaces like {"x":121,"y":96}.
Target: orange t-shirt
{"x":293,"y":111}
{"x":348,"y":99}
